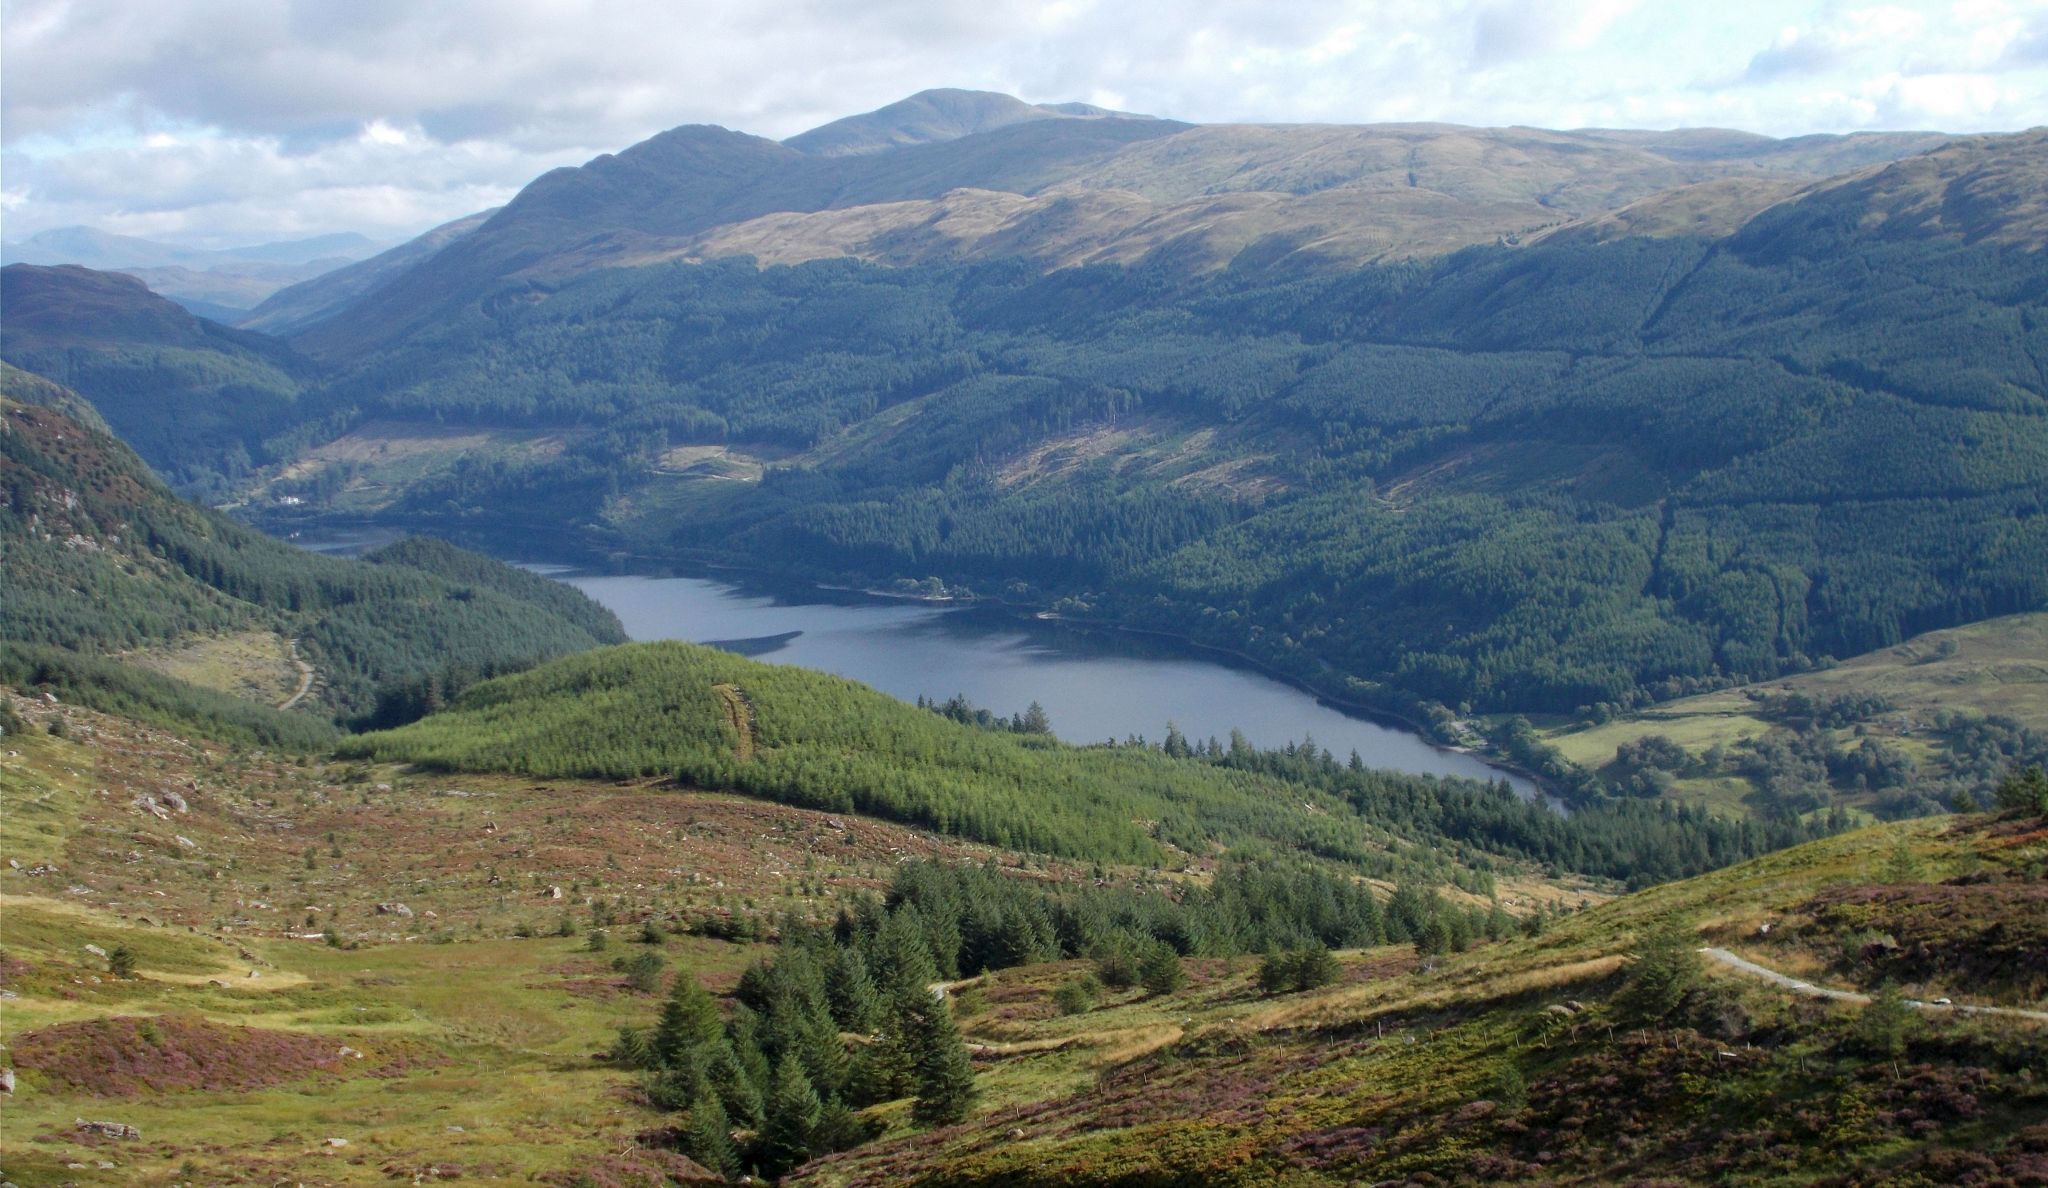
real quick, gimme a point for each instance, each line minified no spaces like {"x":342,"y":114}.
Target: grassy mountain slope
{"x":476,"y":1021}
{"x":681,"y":183}
{"x":101,"y":558}
{"x":476,"y":1018}
{"x":1941,"y":713}
{"x":1135,"y":186}
{"x":1595,"y":1052}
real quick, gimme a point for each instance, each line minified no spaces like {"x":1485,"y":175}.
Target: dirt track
{"x":740,"y":714}
{"x":305,"y":678}
{"x":1810,"y":990}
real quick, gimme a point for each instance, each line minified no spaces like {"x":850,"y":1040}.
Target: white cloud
{"x":243,"y":118}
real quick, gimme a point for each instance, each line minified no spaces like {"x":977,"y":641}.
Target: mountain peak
{"x":945,"y":113}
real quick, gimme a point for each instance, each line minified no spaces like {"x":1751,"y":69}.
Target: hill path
{"x":741,"y":715}
{"x":1793,"y":984}
{"x":305,"y":677}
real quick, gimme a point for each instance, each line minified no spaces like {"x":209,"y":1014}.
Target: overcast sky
{"x":236,"y":121}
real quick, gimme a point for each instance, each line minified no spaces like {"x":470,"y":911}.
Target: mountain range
{"x":950,"y":175}
{"x":1702,"y":477}
{"x":1426,"y":416}
{"x":218,"y":283}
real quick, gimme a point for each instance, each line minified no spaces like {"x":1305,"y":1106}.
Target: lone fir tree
{"x":945,"y":1078}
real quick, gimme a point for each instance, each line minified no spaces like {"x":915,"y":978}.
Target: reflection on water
{"x":1095,"y":686}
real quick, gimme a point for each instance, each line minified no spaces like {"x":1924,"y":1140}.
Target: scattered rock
{"x":112,"y":1130}
{"x":185,"y":842}
{"x":6,"y":1080}
{"x":394,"y":909}
{"x":349,"y":1053}
{"x":96,"y":951}
{"x":551,"y":893}
{"x":175,"y":801}
{"x":14,"y":864}
{"x":337,"y":1142}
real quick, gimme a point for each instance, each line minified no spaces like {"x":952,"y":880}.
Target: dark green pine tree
{"x":839,"y":1129}
{"x":1160,"y":972}
{"x":901,"y":959}
{"x":793,"y":1113}
{"x":2024,"y":790}
{"x":745,"y":1039}
{"x":689,"y":1018}
{"x":726,"y":1075}
{"x":945,"y":1077}
{"x":888,"y":1070}
{"x":819,"y":1047}
{"x":709,"y":1136}
{"x":1314,"y":967}
{"x":851,"y":991}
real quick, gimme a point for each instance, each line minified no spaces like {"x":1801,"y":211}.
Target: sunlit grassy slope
{"x":1509,"y":1062}
{"x":1520,"y":1062}
{"x":1995,"y":667}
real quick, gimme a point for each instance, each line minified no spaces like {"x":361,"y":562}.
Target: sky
{"x":223,"y":122}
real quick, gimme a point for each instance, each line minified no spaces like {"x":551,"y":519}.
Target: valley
{"x":450,"y":1030}
{"x":1056,"y":646}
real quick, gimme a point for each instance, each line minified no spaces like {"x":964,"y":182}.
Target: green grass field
{"x":1995,"y":667}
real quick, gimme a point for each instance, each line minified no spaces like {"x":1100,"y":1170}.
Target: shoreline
{"x":581,"y":554}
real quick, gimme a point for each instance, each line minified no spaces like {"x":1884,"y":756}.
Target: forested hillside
{"x":1723,"y":421}
{"x":711,"y":719}
{"x":97,"y":558}
{"x":1542,"y":478}
{"x":194,"y":398}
